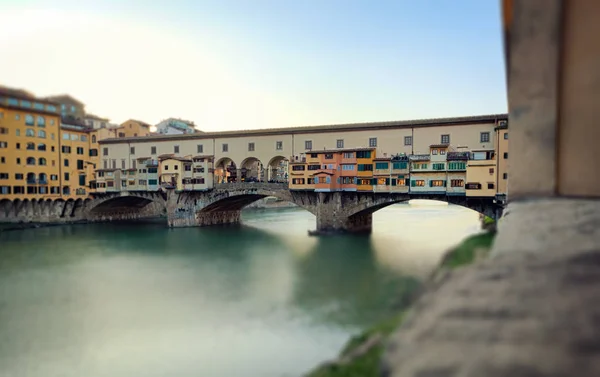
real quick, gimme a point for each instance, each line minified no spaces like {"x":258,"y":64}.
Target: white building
{"x":95,"y":121}
{"x":173,"y":126}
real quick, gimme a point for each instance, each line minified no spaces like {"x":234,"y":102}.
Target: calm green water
{"x":263,"y":299}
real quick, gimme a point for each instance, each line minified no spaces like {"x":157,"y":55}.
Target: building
{"x":29,"y":146}
{"x":502,"y":160}
{"x":95,"y":121}
{"x":457,"y":172}
{"x":77,"y":166}
{"x":174,"y":126}
{"x":70,"y":108}
{"x":133,"y":128}
{"x":391,"y":174}
{"x":481,"y":173}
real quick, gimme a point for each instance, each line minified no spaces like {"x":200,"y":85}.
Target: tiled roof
{"x":319,"y":129}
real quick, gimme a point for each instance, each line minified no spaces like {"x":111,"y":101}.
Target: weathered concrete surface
{"x":549,"y":224}
{"x":518,"y":314}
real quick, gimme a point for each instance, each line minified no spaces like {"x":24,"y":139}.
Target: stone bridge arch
{"x":223,"y":205}
{"x":126,"y":205}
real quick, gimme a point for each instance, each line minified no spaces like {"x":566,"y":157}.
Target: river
{"x":263,"y":299}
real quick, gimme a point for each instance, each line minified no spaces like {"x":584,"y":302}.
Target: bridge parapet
{"x":234,"y":186}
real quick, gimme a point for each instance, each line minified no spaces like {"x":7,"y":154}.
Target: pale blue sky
{"x":265,"y":63}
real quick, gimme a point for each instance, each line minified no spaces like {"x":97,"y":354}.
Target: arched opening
{"x":30,"y":146}
{"x":42,"y":161}
{"x":109,"y":205}
{"x":225,"y":171}
{"x":42,"y":134}
{"x":41,"y":121}
{"x":30,"y":132}
{"x":30,"y":160}
{"x":41,"y":147}
{"x":93,"y":138}
{"x":277,"y":170}
{"x":252,"y":170}
{"x":31,"y":178}
{"x":43,"y":178}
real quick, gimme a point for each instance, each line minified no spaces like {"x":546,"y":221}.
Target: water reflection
{"x":262,"y":299}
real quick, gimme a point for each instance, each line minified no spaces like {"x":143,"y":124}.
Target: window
{"x":18,"y":161}
{"x":457,"y":183}
{"x":74,"y":137}
{"x":152,"y":181}
{"x":166,"y":167}
{"x":225,"y":147}
{"x":490,"y":186}
{"x":41,"y":121}
{"x":457,"y":165}
{"x":434,"y":151}
{"x":2,"y":160}
{"x":13,"y":102}
{"x":437,"y":183}
{"x":4,"y":189}
{"x":176,"y":149}
{"x":19,"y":146}
{"x":176,"y":167}
{"x":19,"y":176}
{"x":66,"y":163}
{"x":80,"y":150}
{"x":308,"y":145}
{"x":442,"y":152}
{"x":200,"y":148}
{"x":372,"y":142}
{"x":42,"y":161}
{"x":105,"y":151}
{"x":506,"y":136}
{"x":250,"y":147}
{"x":29,"y":120}
{"x":314,"y":167}
{"x":79,"y":164}
{"x":18,"y":132}
{"x":298,"y":167}
{"x":445,"y":139}
{"x":363,"y":154}
{"x":52,"y":122}
{"x":42,"y":134}
{"x":399,"y":165}
{"x":3,"y":130}
{"x":65,"y":149}
{"x":30,"y":161}
{"x":67,"y":176}
{"x":347,"y":167}
{"x":133,"y":165}
{"x":417,"y":183}
{"x":438,"y":166}
{"x":29,"y":132}
{"x":152,"y":150}
{"x":3,"y":175}
{"x":41,"y":147}
{"x":38,"y":106}
{"x":83,"y":138}
{"x":4,"y":144}
{"x":491,"y":170}
{"x":93,"y":138}
{"x":53,"y":177}
{"x":298,"y":181}
{"x":505,"y":176}
{"x":52,"y":136}
{"x":132,"y":150}
{"x":329,"y":156}
{"x":339,"y":143}
{"x":313,"y":155}
{"x":382,"y":165}
{"x":473,"y":186}
{"x":505,"y":155}
{"x":279,"y":145}
{"x":365,"y":167}
{"x":187,"y":167}
{"x":484,"y":137}
{"x":82,"y":180}
{"x":122,"y":163}
{"x":66,"y":136}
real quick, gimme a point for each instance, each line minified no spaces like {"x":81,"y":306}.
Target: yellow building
{"x":502,"y":158}
{"x":133,"y":128}
{"x":77,"y":167}
{"x":364,"y":167}
{"x":173,"y":170}
{"x":481,"y":174}
{"x":29,"y":146}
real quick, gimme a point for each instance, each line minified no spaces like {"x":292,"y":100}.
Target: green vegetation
{"x":469,"y":250}
{"x":362,"y":354}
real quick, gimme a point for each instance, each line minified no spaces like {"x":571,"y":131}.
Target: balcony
{"x":420,"y":157}
{"x":457,"y":156}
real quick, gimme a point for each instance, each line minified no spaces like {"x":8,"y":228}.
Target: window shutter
{"x":412,"y":183}
{"x":387,"y":181}
{"x":445,"y":183}
{"x":393,"y":182}
{"x":430,"y":183}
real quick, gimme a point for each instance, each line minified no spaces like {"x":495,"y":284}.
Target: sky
{"x":248,"y":64}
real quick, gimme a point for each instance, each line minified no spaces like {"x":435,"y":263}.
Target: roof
{"x":382,"y":159}
{"x":60,"y":98}
{"x":182,"y":159}
{"x":6,"y":91}
{"x":322,"y":172}
{"x":141,"y":123}
{"x":318,"y":129}
{"x":95,"y":117}
{"x":143,"y":158}
{"x":203,"y":156}
{"x":107,"y":169}
{"x":439,"y":146}
{"x":342,"y":150}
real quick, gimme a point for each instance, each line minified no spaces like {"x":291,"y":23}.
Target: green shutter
{"x":412,"y":183}
{"x":394,"y":182}
{"x":387,"y":181}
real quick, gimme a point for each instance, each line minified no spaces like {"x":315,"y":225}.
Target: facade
{"x":502,"y":156}
{"x":29,"y":146}
{"x":481,"y":173}
{"x":133,"y":128}
{"x":77,"y":168}
{"x":95,"y":121}
{"x":174,"y":126}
